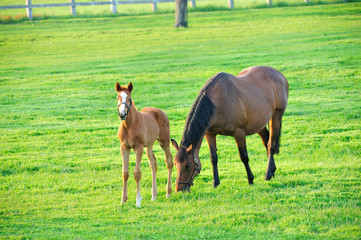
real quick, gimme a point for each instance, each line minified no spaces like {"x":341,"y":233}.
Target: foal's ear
{"x":118,"y":87}
{"x":175,"y":144}
{"x":130,"y":87}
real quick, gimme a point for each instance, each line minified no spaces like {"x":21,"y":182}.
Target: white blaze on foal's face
{"x":122,"y":107}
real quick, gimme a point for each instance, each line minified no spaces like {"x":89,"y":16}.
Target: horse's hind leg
{"x":264,"y":134}
{"x":273,"y":143}
{"x":164,"y":144}
{"x":240,"y":138}
{"x":153,"y":167}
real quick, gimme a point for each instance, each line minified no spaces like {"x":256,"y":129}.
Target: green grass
{"x":60,"y":165}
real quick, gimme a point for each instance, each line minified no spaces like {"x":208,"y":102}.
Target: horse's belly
{"x":151,"y":134}
{"x":257,"y":121}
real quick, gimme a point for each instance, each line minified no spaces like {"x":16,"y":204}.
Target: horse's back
{"x":158,"y":117}
{"x":268,"y":77}
{"x":157,"y":114}
{"x":248,"y":100}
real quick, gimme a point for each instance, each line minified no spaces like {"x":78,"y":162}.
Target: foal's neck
{"x":133,"y":116}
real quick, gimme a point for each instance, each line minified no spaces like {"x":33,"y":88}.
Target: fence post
{"x":230,"y":4}
{"x":29,"y":9}
{"x":73,"y":7}
{"x":113,"y":6}
{"x":154,"y":6}
{"x":269,"y":3}
{"x":193,"y":3}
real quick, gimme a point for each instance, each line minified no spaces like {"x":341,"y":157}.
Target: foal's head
{"x":124,"y":99}
{"x":188,"y":167}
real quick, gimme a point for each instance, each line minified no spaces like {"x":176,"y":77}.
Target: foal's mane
{"x":199,"y":116}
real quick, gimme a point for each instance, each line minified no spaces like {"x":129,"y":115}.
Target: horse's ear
{"x":117,"y":87}
{"x":175,"y":144}
{"x":130,"y":87}
{"x":190,"y":148}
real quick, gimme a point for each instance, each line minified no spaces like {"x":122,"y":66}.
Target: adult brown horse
{"x":138,"y":130}
{"x":233,"y":106}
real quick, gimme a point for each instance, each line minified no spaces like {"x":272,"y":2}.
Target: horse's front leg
{"x":211,"y":140}
{"x":137,"y":173}
{"x":153,"y":167}
{"x":240,"y":138}
{"x":125,"y":155}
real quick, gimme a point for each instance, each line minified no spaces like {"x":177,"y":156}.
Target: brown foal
{"x":139,"y":130}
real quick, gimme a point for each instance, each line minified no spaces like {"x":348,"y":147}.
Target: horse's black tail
{"x":278,"y":140}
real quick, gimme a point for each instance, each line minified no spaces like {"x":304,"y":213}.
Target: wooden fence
{"x":73,"y":4}
{"x":113,"y":5}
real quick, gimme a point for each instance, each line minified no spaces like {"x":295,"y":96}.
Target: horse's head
{"x":188,"y":167}
{"x":124,"y":99}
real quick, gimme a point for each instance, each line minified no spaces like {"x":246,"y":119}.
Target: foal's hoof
{"x":138,"y":200}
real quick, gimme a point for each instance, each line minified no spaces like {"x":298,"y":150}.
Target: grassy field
{"x":60,"y":165}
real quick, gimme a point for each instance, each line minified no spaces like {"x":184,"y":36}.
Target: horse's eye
{"x":188,"y":166}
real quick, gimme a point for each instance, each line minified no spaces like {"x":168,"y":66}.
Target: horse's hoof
{"x":216,"y":184}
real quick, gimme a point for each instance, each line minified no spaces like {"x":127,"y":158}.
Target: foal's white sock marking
{"x":138,"y":200}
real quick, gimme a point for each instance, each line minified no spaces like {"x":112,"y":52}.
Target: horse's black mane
{"x":200,"y":116}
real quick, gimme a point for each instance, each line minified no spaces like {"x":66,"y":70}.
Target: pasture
{"x":60,"y":164}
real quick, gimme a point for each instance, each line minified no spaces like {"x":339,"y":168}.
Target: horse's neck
{"x":132,"y":118}
{"x":197,"y":147}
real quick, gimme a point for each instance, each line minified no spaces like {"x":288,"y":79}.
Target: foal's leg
{"x":273,"y":143}
{"x":153,"y":167}
{"x":125,"y":155}
{"x":164,"y":144}
{"x":240,"y":138}
{"x":212,"y":143}
{"x":137,"y":173}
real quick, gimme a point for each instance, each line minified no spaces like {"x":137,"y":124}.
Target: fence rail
{"x":113,"y":5}
{"x":73,"y":4}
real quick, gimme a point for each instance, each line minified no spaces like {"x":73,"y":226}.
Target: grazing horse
{"x":233,"y":106}
{"x":136,"y":131}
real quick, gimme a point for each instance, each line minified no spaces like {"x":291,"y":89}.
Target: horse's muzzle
{"x":122,"y":116}
{"x":183,"y":188}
